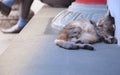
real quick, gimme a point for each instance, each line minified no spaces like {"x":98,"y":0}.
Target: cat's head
{"x":107,"y":24}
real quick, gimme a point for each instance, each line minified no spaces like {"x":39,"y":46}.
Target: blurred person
{"x":114,"y":8}
{"x":5,"y":7}
{"x":90,"y":9}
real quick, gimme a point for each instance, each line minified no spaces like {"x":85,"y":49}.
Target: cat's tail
{"x":72,"y":45}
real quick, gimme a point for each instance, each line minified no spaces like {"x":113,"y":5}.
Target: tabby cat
{"x":82,"y":33}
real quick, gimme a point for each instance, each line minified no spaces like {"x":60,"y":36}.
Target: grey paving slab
{"x":5,"y":41}
{"x":33,"y":52}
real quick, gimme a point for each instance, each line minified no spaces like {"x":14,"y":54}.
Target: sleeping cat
{"x":80,"y":34}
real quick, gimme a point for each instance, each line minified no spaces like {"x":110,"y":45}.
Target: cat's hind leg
{"x":66,"y":44}
{"x":72,"y":45}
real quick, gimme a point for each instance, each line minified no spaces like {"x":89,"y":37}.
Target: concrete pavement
{"x":6,"y":39}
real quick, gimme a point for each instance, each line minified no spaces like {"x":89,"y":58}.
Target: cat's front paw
{"x":111,"y":40}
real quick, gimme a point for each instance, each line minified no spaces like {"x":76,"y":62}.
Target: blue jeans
{"x":114,"y":7}
{"x":9,"y":2}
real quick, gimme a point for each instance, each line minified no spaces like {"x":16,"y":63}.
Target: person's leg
{"x":79,"y":10}
{"x":8,"y":2}
{"x":58,"y":3}
{"x":5,"y":6}
{"x":114,"y":7}
{"x":25,"y":10}
{"x":117,"y":30}
{"x":23,"y":19}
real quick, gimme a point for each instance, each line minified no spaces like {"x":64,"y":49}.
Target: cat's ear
{"x":92,"y":22}
{"x":108,"y":13}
